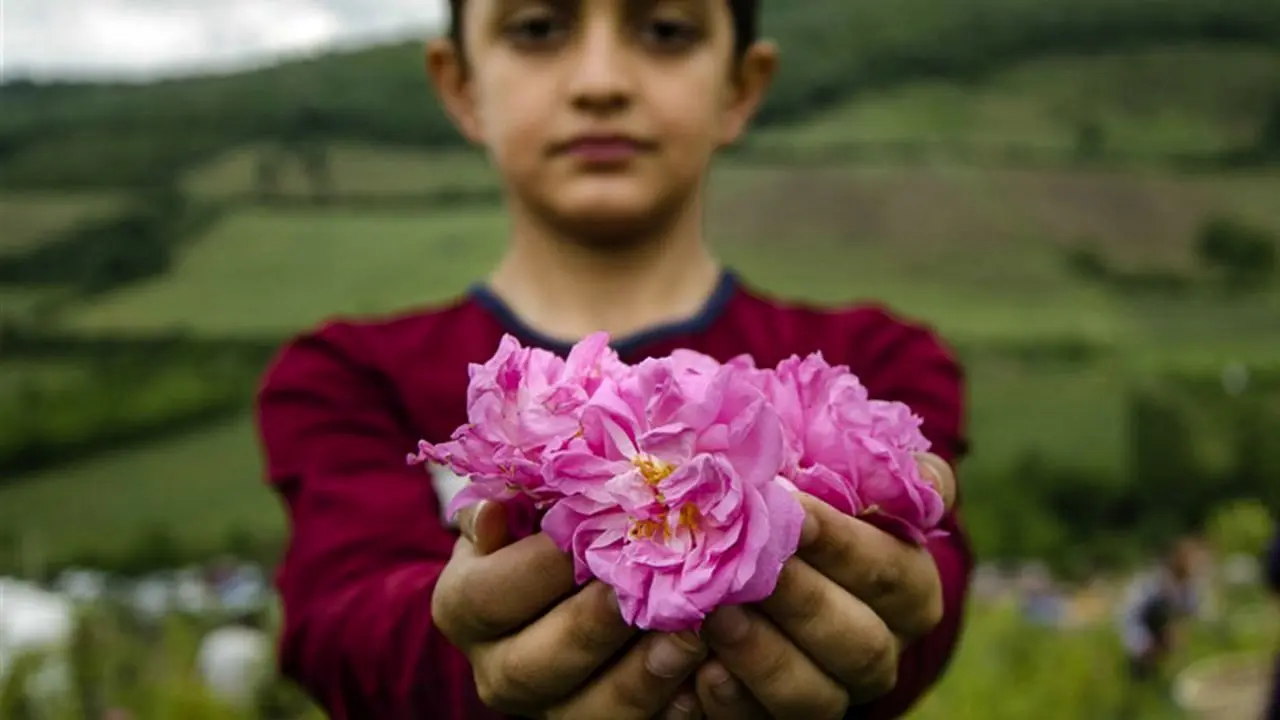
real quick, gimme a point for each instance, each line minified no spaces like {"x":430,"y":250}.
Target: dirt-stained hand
{"x":541,"y":647}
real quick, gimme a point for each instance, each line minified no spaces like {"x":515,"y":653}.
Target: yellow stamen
{"x":649,"y":529}
{"x":653,"y":470}
{"x":690,"y":517}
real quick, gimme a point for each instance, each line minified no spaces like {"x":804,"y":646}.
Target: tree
{"x":1241,"y":255}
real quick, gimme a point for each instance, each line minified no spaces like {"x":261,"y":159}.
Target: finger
{"x":898,"y":581}
{"x":645,"y":682}
{"x":938,"y":473}
{"x":723,"y":698}
{"x":779,"y":676}
{"x":837,"y":630}
{"x":684,"y":707}
{"x":555,"y":654}
{"x":481,"y":597}
{"x":485,"y":525}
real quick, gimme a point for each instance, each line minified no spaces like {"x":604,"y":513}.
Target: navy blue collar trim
{"x":710,"y":312}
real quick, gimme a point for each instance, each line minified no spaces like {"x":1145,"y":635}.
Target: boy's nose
{"x":601,"y":79}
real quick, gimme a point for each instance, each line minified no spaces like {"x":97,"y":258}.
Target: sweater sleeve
{"x":366,"y":545}
{"x":913,"y":367}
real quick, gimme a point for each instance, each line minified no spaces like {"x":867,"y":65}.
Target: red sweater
{"x":340,"y":408}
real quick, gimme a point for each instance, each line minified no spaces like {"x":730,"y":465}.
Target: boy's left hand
{"x":830,"y":635}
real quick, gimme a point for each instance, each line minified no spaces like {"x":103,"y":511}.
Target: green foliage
{"x":1242,"y":255}
{"x":1240,"y":527}
{"x":96,"y":135}
{"x":53,"y":412}
{"x":104,"y":253}
{"x":1269,"y":136}
{"x":1005,"y":669}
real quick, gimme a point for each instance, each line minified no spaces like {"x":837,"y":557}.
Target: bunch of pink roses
{"x":674,"y":480}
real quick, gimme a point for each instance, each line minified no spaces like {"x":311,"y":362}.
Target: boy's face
{"x":602,"y":115}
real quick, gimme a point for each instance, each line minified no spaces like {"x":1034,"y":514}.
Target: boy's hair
{"x":746,"y":23}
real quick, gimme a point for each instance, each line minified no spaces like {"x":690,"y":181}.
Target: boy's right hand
{"x":539,"y":649}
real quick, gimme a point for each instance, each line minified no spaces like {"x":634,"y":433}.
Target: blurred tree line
{"x":1176,"y":480}
{"x":112,"y":135}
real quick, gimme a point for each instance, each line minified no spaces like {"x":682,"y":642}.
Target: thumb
{"x":938,"y":473}
{"x":485,"y":525}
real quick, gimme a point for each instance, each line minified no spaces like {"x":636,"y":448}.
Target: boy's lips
{"x":604,"y":149}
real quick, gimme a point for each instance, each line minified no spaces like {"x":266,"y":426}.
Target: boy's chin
{"x":612,"y":218}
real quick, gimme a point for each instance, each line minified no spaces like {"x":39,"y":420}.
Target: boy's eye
{"x":669,"y":34}
{"x":535,"y":29}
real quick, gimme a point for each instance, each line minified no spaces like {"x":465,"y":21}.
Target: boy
{"x":602,"y":117}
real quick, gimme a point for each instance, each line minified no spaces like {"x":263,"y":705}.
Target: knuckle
{"x":884,"y":581}
{"x":599,"y":608}
{"x":470,"y":606}
{"x":636,"y":691}
{"x":830,"y":705}
{"x":504,"y":685}
{"x":931,"y":613}
{"x":795,"y":601}
{"x":833,"y":547}
{"x":518,"y":679}
{"x":589,"y":638}
{"x":883,"y":682}
{"x":924,"y":601}
{"x":490,"y":694}
{"x":879,"y":672}
{"x":489,"y":686}
{"x":773,"y":669}
{"x":443,"y":610}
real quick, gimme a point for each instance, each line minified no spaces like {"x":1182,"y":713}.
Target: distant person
{"x":601,"y":119}
{"x":1042,"y":603}
{"x":1273,"y":583}
{"x":1155,"y":606}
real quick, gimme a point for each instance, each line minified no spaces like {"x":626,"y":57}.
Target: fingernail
{"x":729,"y":623}
{"x":682,"y":708}
{"x":808,"y":530}
{"x":671,"y":656}
{"x":723,"y":688}
{"x":469,"y":520}
{"x":725,"y":693}
{"x":928,"y":469}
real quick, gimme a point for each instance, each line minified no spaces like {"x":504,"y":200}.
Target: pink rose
{"x":670,"y":495}
{"x":856,"y":454}
{"x":521,"y":404}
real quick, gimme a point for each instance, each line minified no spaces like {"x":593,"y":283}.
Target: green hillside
{"x":834,"y":49}
{"x":1173,"y":101}
{"x":1031,"y":177}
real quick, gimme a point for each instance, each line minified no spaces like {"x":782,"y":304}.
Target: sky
{"x":142,"y":39}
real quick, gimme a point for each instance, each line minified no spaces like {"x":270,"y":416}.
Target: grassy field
{"x":1148,"y":104}
{"x":28,"y":219}
{"x":274,"y":272}
{"x":356,"y":171}
{"x":199,"y":487}
{"x":1006,"y":669}
{"x":985,"y":262}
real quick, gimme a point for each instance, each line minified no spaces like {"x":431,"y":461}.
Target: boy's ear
{"x":447,"y":68}
{"x":752,"y":77}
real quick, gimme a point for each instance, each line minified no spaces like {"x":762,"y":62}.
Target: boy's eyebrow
{"x":699,"y":6}
{"x":506,"y":6}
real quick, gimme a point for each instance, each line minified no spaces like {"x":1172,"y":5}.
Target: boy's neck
{"x":566,"y":290}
